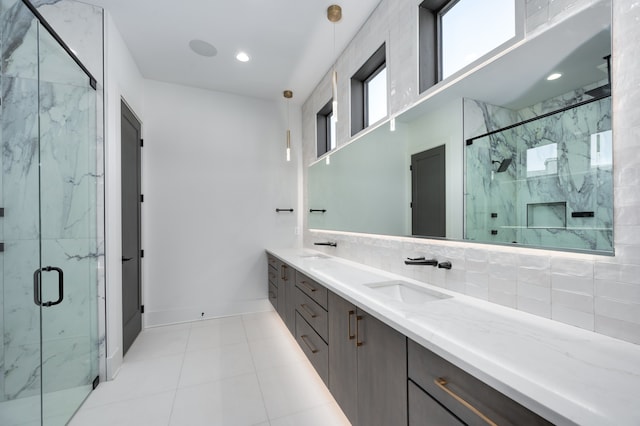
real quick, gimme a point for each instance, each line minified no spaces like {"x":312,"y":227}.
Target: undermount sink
{"x":313,"y":256}
{"x":406,"y":292}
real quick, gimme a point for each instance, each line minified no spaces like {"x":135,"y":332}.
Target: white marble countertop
{"x":565,"y":374}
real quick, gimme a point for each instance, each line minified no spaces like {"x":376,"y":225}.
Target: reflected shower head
{"x":504,"y":165}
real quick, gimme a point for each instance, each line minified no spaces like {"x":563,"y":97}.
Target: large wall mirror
{"x":504,"y":154}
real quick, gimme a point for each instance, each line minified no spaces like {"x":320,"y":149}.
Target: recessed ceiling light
{"x":203,"y":48}
{"x":242,"y":57}
{"x":554,"y":76}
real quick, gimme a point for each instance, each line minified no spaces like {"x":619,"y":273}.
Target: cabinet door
{"x":343,"y":367}
{"x":382,"y":373}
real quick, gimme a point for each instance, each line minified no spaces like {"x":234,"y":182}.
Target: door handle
{"x":126,"y":259}
{"x":37,"y":286}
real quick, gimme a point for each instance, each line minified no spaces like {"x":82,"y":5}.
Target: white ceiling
{"x":290,"y":41}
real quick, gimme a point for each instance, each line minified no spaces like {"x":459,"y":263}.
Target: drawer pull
{"x":349,"y":335}
{"x":306,"y":341}
{"x":283,"y":273}
{"x":308,"y":310}
{"x":358,"y":341}
{"x":308,"y":286}
{"x":442,"y":384}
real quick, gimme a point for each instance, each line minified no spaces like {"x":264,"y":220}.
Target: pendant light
{"x":288,"y":94}
{"x":334,"y":14}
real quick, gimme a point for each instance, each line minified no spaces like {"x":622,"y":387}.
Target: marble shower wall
{"x":532,"y":202}
{"x":69,"y":231}
{"x":598,"y":293}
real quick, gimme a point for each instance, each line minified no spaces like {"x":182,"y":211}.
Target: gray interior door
{"x":131,"y":250}
{"x":428,"y":187}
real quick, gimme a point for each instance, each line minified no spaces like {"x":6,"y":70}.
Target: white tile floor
{"x":242,"y":370}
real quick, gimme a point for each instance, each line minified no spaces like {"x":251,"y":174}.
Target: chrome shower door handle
{"x":37,"y":286}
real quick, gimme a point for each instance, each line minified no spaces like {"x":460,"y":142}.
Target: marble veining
{"x":561,"y":160}
{"x":52,"y":162}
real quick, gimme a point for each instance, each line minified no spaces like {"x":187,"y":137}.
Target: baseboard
{"x":176,"y":316}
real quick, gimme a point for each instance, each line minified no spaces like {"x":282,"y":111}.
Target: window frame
{"x":359,"y":102}
{"x":324,"y":142}
{"x":430,"y":48}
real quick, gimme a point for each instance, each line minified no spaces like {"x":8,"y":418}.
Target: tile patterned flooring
{"x":235,"y":371}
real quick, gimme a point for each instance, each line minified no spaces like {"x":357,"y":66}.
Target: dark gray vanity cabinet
{"x":367,"y":366}
{"x":281,"y":280}
{"x":272,"y":273}
{"x":442,"y":394}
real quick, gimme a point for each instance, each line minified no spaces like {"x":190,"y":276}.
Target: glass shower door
{"x":21,"y":376}
{"x":68,"y":220}
{"x":48,"y":225}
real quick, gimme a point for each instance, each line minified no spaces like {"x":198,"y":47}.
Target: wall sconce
{"x":288,"y":94}
{"x":334,"y":14}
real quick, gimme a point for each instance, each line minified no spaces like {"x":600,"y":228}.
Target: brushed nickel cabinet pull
{"x":308,"y":286}
{"x":308,"y":310}
{"x":358,"y":341}
{"x":282,"y":272}
{"x":349,"y":335}
{"x":285,"y":274}
{"x":306,"y":341}
{"x":442,"y":384}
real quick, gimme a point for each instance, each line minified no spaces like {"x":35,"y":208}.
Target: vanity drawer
{"x":273,"y":275}
{"x":442,"y":380}
{"x":315,"y":315}
{"x":312,"y":289}
{"x":313,"y":346}
{"x":273,"y":262}
{"x":425,"y":411}
{"x":273,"y":295}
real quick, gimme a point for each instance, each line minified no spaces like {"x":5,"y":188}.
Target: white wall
{"x":214,"y":171}
{"x":597,"y":293}
{"x":123,"y":81}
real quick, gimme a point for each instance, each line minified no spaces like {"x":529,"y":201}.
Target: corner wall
{"x":214,"y":172}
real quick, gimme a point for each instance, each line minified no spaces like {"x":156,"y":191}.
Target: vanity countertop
{"x":563,"y":373}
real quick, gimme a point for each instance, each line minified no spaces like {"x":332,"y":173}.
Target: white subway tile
{"x":539,"y":277}
{"x":575,"y":301}
{"x":539,"y":293}
{"x":572,"y":284}
{"x":534,"y":306}
{"x":573,"y":317}
{"x":617,"y":309}
{"x":617,"y":290}
{"x":575,"y":267}
{"x":618,"y":329}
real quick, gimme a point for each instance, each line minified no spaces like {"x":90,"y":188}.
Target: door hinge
{"x":411,"y":205}
{"x":469,"y":142}
{"x":142,"y":198}
{"x":95,"y":383}
{"x":411,"y":168}
{"x":142,"y":309}
{"x":141,"y":142}
{"x":141,"y":253}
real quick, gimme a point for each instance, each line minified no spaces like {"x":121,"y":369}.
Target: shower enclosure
{"x":48,"y":224}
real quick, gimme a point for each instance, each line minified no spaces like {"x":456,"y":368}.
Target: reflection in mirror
{"x":545,"y":182}
{"x":368,"y":186}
